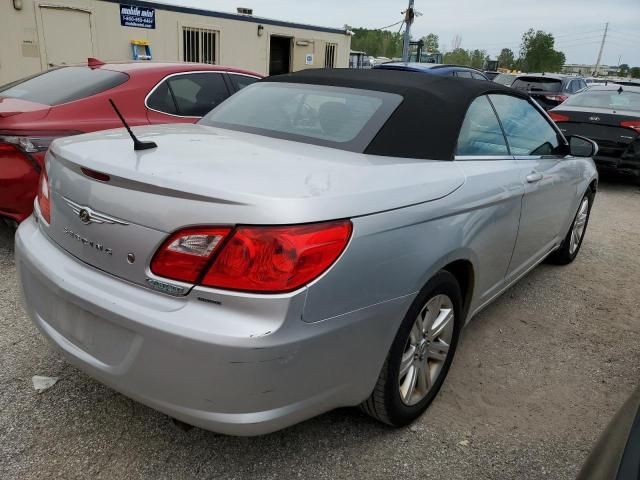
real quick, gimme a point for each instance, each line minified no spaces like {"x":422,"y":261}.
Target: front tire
{"x":568,"y":250}
{"x":421,"y":354}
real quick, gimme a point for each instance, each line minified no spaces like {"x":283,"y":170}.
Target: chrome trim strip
{"x":155,"y":87}
{"x":484,"y":157}
{"x":94,"y":217}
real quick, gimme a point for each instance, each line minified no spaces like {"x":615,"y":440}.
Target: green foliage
{"x":477,"y":58}
{"x":537,"y":53}
{"x":506,"y":59}
{"x":377,"y":43}
{"x":459,"y":56}
{"x":431,"y":43}
{"x":623,"y":70}
{"x":634,"y":72}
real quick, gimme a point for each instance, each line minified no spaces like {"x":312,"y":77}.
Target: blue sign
{"x":140,"y":17}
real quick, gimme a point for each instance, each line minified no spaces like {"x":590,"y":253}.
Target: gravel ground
{"x":537,"y":377}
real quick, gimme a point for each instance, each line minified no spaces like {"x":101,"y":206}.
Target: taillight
{"x":185,"y":254}
{"x":261,"y":259}
{"x":558,"y":117}
{"x":29,"y":146}
{"x":556,"y":98}
{"x":633,"y":124}
{"x":44,"y":196}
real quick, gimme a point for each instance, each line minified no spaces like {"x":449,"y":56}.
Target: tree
{"x":623,"y":70}
{"x":377,"y":43}
{"x":506,"y":59}
{"x":431,"y":43}
{"x":634,"y":72}
{"x":459,"y":56}
{"x":537,"y":52}
{"x":477,"y":57}
{"x":456,"y":43}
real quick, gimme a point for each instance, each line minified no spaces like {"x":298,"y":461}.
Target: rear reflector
{"x":260,"y":259}
{"x":44,"y":196}
{"x":558,"y":117}
{"x":633,"y":124}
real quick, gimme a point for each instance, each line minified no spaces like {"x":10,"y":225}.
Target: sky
{"x":491,"y":25}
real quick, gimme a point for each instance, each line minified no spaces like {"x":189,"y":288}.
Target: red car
{"x":71,"y":100}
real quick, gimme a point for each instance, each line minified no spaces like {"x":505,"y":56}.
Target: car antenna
{"x":620,"y":90}
{"x":137,"y":144}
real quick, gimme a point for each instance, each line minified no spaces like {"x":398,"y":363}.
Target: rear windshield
{"x":606,"y":99}
{"x":504,"y":79}
{"x":337,"y":117}
{"x":63,"y":85}
{"x":538,"y":84}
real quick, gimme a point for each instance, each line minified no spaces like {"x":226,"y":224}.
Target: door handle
{"x":534,"y":177}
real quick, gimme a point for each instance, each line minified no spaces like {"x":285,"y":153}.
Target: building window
{"x":330,"y":55}
{"x":199,"y":45}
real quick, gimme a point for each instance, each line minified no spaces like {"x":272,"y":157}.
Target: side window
{"x":477,"y":76}
{"x":162,"y":100}
{"x":241,"y":81}
{"x":573,"y":86}
{"x":196,"y":94}
{"x":481,"y":133}
{"x":463,"y":74}
{"x":527,"y":131}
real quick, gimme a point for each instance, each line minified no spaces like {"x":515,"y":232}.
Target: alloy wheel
{"x":427,"y":349}
{"x":579,"y":225}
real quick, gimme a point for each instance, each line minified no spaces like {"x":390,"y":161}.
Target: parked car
{"x":434,"y":69}
{"x":616,"y":455}
{"x":548,"y":89}
{"x":506,"y":79}
{"x":491,"y":74}
{"x":609,"y":115}
{"x":316,"y":241}
{"x":71,"y":100}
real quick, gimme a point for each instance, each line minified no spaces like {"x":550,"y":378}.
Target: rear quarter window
{"x":537,"y":84}
{"x":63,"y":85}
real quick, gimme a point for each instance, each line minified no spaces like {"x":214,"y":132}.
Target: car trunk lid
{"x":201,"y":175}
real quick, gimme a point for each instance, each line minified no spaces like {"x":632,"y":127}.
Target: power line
{"x":389,"y":26}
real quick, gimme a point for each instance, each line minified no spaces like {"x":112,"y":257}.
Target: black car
{"x":609,"y":115}
{"x":549,"y":89}
{"x":616,"y":456}
{"x":506,"y":79}
{"x":491,"y":74}
{"x":434,"y":69}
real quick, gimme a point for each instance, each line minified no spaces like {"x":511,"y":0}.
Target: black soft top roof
{"x":426,"y":124}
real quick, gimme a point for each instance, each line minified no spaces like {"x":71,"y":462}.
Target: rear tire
{"x":570,"y":246}
{"x":420,"y":355}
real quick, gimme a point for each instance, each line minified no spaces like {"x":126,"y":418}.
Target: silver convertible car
{"x":318,"y":240}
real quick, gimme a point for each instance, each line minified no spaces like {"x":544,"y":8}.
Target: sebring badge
{"x":88,"y":216}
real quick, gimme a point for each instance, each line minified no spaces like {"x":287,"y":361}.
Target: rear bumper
{"x":626,"y":166}
{"x":246,"y":367}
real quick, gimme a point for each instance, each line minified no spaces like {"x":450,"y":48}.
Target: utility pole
{"x":604,"y":37}
{"x":408,"y":20}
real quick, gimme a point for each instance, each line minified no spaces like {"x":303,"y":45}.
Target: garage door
{"x":67,"y":35}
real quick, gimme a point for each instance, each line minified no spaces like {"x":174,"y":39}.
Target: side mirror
{"x":581,"y":146}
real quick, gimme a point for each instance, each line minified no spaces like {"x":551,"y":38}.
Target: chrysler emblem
{"x":88,"y":215}
{"x":594,"y":119}
{"x":84,"y":216}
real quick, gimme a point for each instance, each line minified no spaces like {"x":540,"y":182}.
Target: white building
{"x":587,"y":70}
{"x":39,"y":34}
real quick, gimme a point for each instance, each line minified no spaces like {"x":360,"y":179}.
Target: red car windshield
{"x":63,"y":85}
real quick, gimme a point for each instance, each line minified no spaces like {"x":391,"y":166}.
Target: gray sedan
{"x":318,"y":240}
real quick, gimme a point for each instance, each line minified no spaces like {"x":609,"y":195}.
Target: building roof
{"x":229,"y":16}
{"x":427,"y":122}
